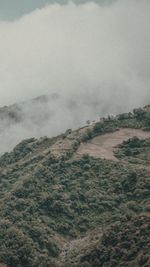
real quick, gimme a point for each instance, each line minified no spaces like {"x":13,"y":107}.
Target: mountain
{"x":80,"y":198}
{"x":36,"y":117}
{"x":48,"y":115}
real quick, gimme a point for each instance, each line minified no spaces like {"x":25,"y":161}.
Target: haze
{"x":97,"y":56}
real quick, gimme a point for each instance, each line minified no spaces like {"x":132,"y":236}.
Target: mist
{"x":90,"y":60}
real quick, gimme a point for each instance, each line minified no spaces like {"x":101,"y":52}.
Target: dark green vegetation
{"x":135,"y":150}
{"x":125,"y":243}
{"x":48,"y":201}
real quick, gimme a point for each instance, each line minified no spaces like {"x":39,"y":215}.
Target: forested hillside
{"x":62,"y":207}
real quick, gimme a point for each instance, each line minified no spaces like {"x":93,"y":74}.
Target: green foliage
{"x":120,"y":245}
{"x":68,"y":198}
{"x":48,"y":200}
{"x":135,"y":148}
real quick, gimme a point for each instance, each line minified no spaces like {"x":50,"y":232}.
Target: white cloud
{"x":88,"y":53}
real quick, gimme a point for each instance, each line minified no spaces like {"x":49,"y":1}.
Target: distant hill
{"x":36,"y":117}
{"x":80,"y":198}
{"x":48,"y":115}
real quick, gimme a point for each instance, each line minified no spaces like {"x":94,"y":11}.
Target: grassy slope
{"x":48,"y":201}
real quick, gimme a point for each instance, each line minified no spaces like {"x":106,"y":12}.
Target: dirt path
{"x":74,"y":248}
{"x":103,"y":146}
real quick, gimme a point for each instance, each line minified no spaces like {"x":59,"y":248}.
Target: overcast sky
{"x":88,"y":49}
{"x":77,"y":49}
{"x":13,"y":9}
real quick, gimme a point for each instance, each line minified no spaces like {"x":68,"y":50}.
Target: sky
{"x":78,"y":50}
{"x":11,"y":10}
{"x":96,"y":57}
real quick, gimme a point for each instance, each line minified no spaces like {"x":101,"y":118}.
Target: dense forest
{"x":60,"y":209}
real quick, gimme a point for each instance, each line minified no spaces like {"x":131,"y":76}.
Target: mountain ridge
{"x":62,"y":209}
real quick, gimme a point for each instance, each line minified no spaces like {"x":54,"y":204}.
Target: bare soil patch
{"x":103,"y":146}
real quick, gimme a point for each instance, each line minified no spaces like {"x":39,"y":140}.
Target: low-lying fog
{"x":91,"y":60}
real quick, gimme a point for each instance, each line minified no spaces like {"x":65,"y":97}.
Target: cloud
{"x":11,"y":10}
{"x":96,"y":58}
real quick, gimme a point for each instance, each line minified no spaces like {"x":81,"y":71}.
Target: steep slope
{"x":46,"y":115}
{"x":125,"y":243}
{"x":63,"y":208}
